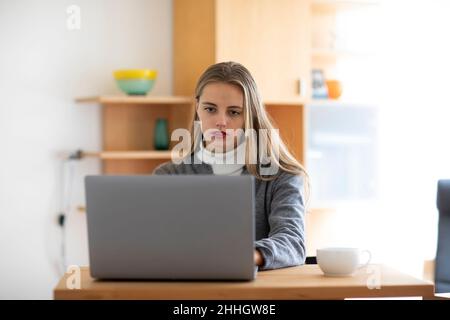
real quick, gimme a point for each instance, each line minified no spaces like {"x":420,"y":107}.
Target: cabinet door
{"x":272,"y":39}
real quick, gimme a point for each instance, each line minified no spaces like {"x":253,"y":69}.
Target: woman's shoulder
{"x":171,"y":167}
{"x":186,"y":165}
{"x":287,"y":185}
{"x":285,"y":178}
{"x":165,"y":168}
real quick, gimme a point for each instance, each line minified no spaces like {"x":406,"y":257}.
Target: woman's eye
{"x":209,"y":109}
{"x":235,"y":113}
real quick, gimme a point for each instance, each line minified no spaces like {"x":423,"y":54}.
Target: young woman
{"x":227,"y":105}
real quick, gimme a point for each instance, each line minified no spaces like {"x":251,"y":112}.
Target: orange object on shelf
{"x":334,"y":88}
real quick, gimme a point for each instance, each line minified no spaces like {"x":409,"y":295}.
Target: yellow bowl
{"x":135,"y":74}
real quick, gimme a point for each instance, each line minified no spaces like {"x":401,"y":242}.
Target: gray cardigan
{"x":279,"y":232}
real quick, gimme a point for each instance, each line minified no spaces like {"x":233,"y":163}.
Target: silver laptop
{"x":193,"y":227}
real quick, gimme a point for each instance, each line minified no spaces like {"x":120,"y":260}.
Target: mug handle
{"x":368,"y":260}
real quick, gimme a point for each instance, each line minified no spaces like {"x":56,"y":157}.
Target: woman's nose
{"x":221,"y":121}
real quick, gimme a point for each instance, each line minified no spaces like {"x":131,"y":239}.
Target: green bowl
{"x":135,"y":86}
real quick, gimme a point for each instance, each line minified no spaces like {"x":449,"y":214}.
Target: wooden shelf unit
{"x":128,"y":130}
{"x":280,"y":64}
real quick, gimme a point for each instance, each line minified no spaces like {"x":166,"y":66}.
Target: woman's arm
{"x":285,"y":244}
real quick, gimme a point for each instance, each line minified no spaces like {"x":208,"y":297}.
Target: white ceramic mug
{"x":338,"y":262}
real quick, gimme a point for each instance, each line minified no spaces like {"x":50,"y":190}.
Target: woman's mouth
{"x":219,"y":134}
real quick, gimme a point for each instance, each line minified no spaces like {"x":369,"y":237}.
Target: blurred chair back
{"x":442,"y":268}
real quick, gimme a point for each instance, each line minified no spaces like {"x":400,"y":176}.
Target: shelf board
{"x":299,"y":101}
{"x":165,"y":100}
{"x":333,"y":54}
{"x":317,"y":103}
{"x":135,"y":100}
{"x":326,"y":5}
{"x":129,"y":155}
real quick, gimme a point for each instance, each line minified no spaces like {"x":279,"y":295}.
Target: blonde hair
{"x":255,"y":117}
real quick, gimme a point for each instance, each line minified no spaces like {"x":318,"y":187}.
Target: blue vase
{"x":161,"y":135}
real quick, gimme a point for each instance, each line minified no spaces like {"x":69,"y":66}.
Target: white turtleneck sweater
{"x":219,"y":163}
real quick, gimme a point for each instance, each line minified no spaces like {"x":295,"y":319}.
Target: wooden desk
{"x":302,"y":282}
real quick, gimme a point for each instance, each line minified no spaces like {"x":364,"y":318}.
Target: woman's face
{"x":221,"y":107}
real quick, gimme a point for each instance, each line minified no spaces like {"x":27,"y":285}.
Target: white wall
{"x":43,"y":67}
